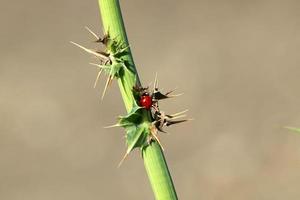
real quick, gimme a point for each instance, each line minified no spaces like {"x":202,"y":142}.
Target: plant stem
{"x":158,"y":172}
{"x":113,"y":24}
{"x":153,"y":156}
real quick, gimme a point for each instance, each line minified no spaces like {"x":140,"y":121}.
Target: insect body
{"x":146,"y":101}
{"x":149,"y":101}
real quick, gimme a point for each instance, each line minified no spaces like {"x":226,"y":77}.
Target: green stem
{"x":158,"y":172}
{"x":153,"y":156}
{"x":113,"y":24}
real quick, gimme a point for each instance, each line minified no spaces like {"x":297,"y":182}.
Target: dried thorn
{"x":97,"y":65}
{"x":177,"y":114}
{"x":106,"y":85}
{"x":159,"y":125}
{"x":124,"y":157}
{"x":90,"y":51}
{"x":153,"y":131}
{"x":110,"y":81}
{"x":94,"y":34}
{"x":175,"y":95}
{"x":101,"y":66}
{"x":155,"y":83}
{"x":97,"y":78}
{"x":169,"y":123}
{"x":171,"y":91}
{"x":103,"y":53}
{"x":177,"y":117}
{"x":112,"y":126}
{"x":159,"y":96}
{"x":156,"y":138}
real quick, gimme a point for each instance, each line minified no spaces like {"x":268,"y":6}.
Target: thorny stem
{"x":153,"y":156}
{"x":113,"y":24}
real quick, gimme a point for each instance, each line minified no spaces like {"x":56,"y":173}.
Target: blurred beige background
{"x":236,"y":61}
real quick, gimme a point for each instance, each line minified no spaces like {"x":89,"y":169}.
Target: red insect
{"x":149,"y":101}
{"x":146,"y":101}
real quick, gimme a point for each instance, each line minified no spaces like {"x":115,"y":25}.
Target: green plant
{"x":141,"y":123}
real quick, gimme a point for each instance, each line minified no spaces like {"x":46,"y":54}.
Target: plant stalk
{"x":153,"y":156}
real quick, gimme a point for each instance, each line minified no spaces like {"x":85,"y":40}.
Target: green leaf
{"x":132,"y":118}
{"x":135,"y":137}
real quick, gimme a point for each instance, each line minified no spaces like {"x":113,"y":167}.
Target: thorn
{"x":97,"y":78}
{"x":100,"y":66}
{"x":177,"y":114}
{"x":161,"y":130}
{"x":124,"y":157}
{"x":153,"y":131}
{"x":155,"y":82}
{"x":156,"y":138}
{"x":177,"y":117}
{"x":94,"y":34}
{"x":110,"y":81}
{"x":90,"y":51}
{"x":171,"y":91}
{"x":176,"y":95}
{"x":169,"y":123}
{"x":106,"y":85}
{"x":112,"y":126}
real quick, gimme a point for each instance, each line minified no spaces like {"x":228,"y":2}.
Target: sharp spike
{"x":106,"y":85}
{"x":97,"y":65}
{"x":155,"y":82}
{"x":156,"y":138}
{"x":100,"y":66}
{"x":112,"y":126}
{"x":153,"y":131}
{"x":97,"y":78}
{"x":169,"y":123}
{"x":124,"y":157}
{"x":179,"y":113}
{"x":110,"y":81}
{"x":90,"y":51}
{"x":171,"y":91}
{"x":177,"y":117}
{"x":94,"y":34}
{"x":161,"y":130}
{"x":176,"y":95}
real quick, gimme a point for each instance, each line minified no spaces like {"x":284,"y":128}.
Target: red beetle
{"x":146,"y":101}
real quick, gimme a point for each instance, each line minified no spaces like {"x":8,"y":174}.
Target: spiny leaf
{"x":135,"y":136}
{"x":134,"y":117}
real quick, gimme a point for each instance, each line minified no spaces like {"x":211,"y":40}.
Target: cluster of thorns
{"x":159,"y":118}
